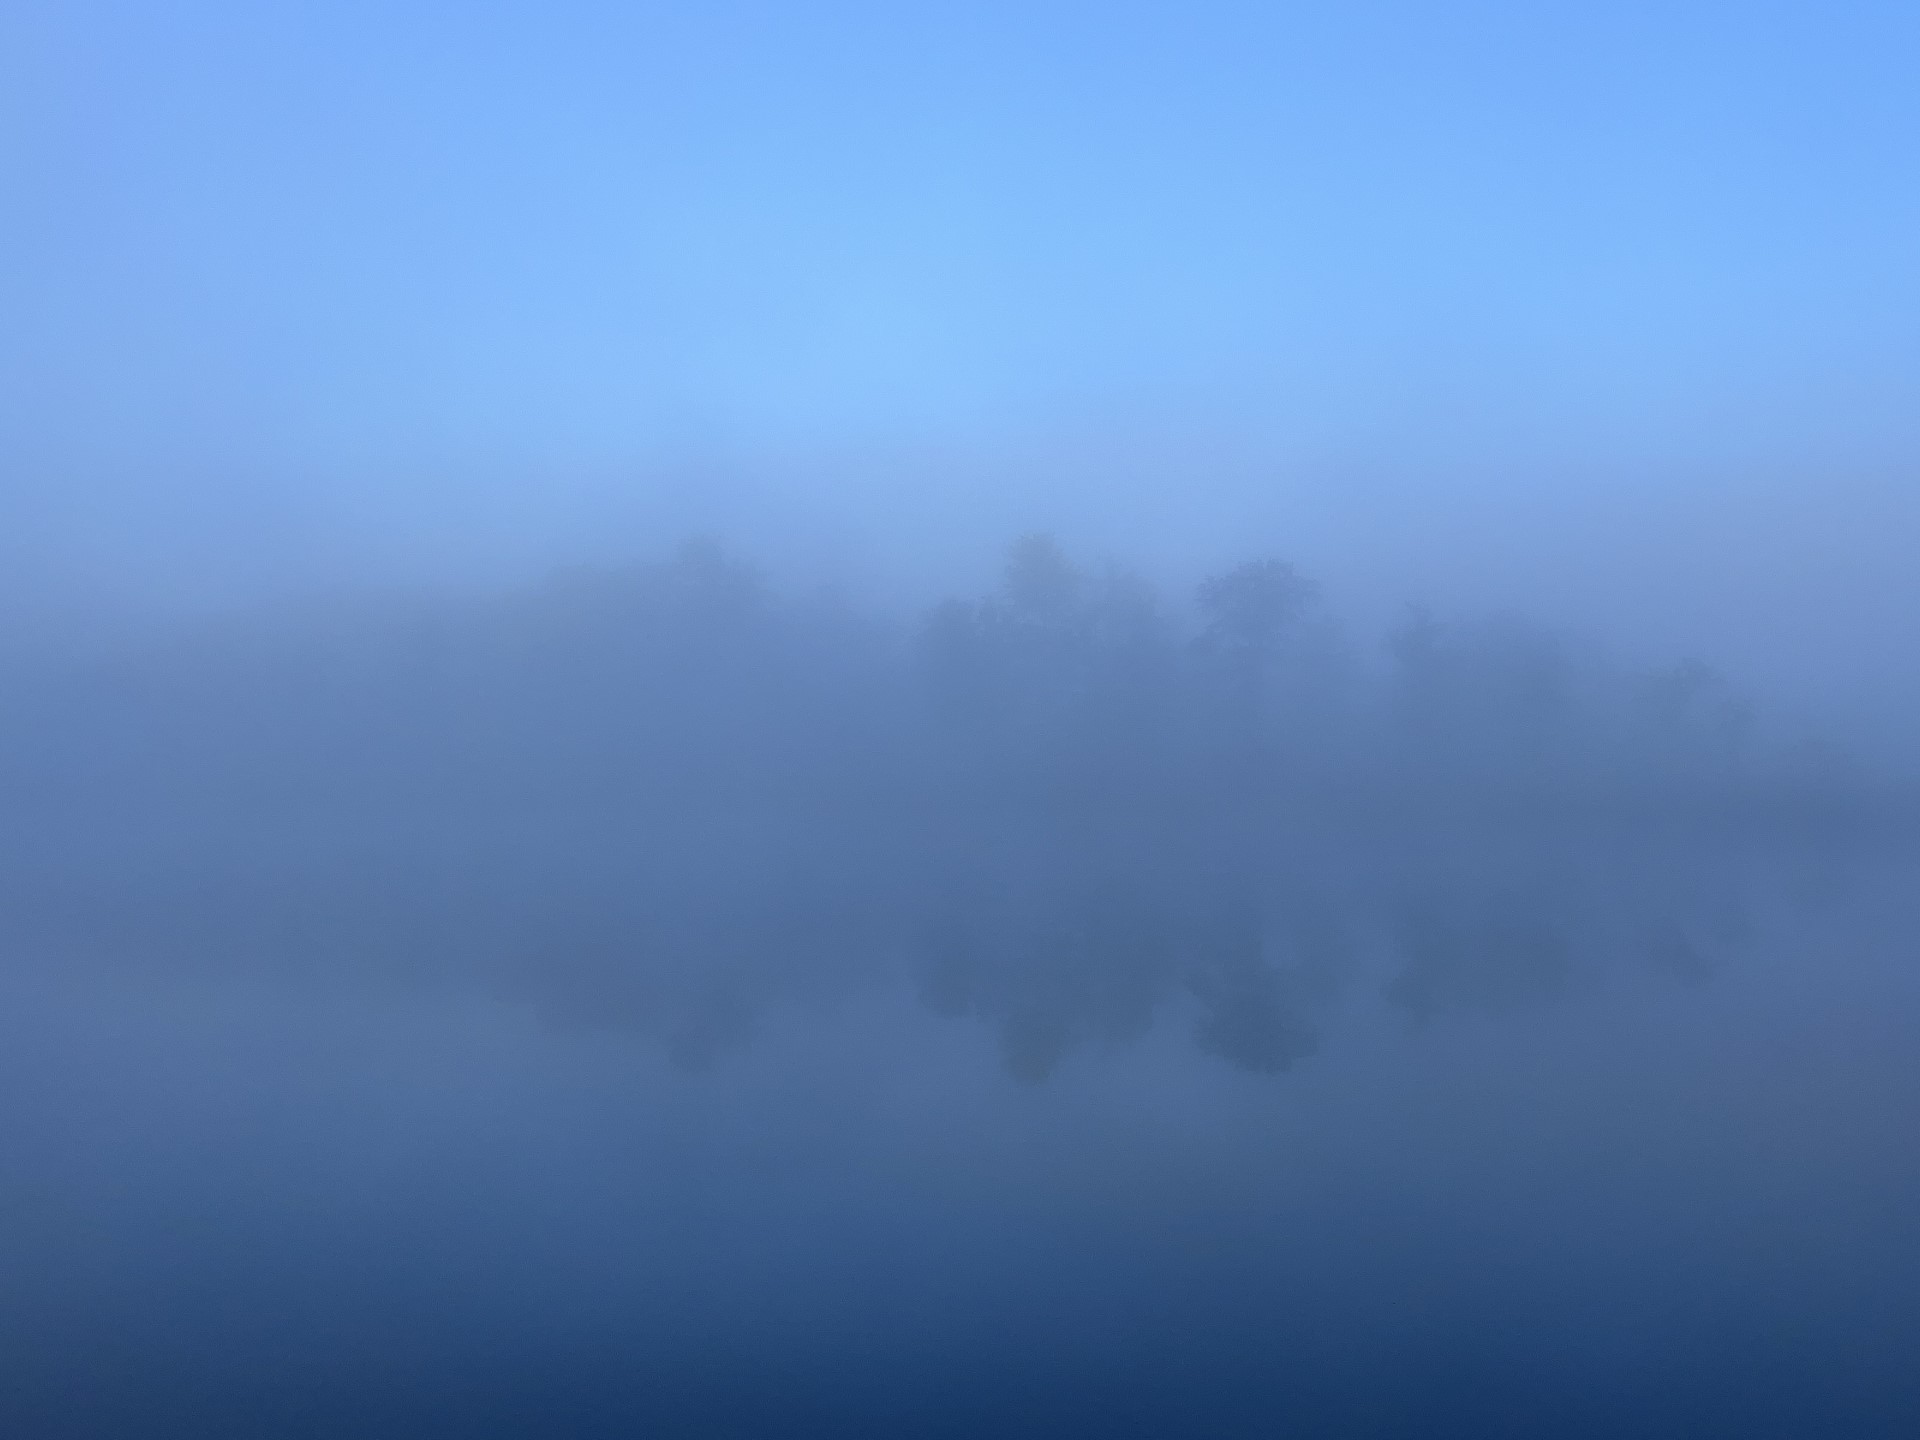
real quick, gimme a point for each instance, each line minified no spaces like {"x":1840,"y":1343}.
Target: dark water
{"x":539,"y":1129}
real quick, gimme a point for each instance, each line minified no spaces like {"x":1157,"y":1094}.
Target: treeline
{"x":667,"y":797}
{"x":692,"y":681}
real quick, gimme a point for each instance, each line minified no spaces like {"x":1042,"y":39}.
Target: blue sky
{"x":382,"y":266}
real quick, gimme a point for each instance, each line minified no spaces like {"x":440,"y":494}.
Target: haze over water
{"x":1046,"y":720}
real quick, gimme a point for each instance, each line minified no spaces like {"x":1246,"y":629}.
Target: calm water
{"x":537,"y":1129}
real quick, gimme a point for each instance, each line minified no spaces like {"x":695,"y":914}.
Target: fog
{"x":653,"y":997}
{"x":988,"y":720}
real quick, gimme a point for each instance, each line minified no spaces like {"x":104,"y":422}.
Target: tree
{"x":1039,"y":585}
{"x":1247,"y":615}
{"x":1250,"y":608}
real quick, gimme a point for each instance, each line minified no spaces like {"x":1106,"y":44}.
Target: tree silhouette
{"x":1249,"y":609}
